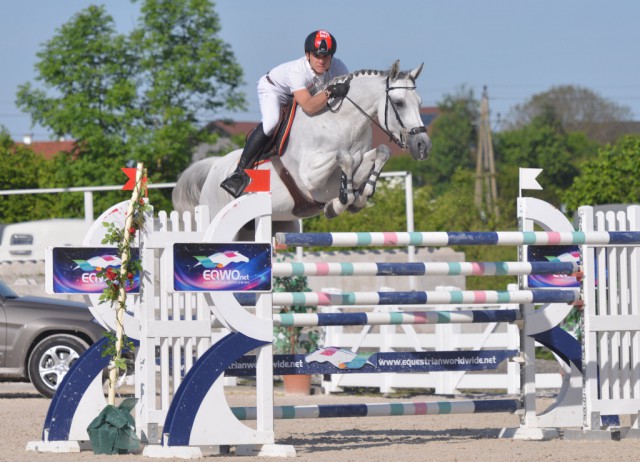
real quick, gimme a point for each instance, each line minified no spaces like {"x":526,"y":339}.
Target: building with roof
{"x":47,"y":149}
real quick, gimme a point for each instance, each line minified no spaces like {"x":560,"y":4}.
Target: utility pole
{"x":486,"y":194}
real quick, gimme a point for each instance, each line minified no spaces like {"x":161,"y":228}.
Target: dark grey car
{"x":40,"y":338}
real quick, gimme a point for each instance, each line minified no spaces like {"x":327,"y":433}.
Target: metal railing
{"x":87,"y":190}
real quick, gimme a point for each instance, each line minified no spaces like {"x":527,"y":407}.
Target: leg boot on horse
{"x":236,"y":183}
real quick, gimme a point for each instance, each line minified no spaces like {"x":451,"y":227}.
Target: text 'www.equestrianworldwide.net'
{"x":436,"y":361}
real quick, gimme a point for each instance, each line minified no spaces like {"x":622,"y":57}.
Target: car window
{"x":6,"y":292}
{"x":21,"y":239}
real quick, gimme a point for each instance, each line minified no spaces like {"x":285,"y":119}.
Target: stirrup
{"x":236,"y":183}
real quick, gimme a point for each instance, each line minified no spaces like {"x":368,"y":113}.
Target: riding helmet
{"x":320,"y":42}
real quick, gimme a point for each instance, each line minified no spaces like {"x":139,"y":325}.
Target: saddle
{"x":272,"y":152}
{"x":276,"y":145}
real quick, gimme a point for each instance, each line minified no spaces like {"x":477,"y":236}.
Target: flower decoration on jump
{"x":120,"y":280}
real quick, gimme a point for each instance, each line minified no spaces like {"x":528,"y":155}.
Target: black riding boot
{"x":239,"y":180}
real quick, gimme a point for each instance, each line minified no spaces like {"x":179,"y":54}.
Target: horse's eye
{"x":398,"y":103}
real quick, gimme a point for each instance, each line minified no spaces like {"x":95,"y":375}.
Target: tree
{"x":133,"y":98}
{"x":541,"y":143}
{"x":188,"y":73}
{"x":91,"y":70}
{"x":577,"y":109}
{"x":611,"y":177}
{"x":21,"y":169}
{"x":454,"y":138}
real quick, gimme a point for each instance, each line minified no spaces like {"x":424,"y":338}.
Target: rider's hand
{"x":338,"y":90}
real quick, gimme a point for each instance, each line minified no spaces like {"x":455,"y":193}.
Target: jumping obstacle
{"x":423,"y":269}
{"x":325,"y":411}
{"x":426,"y":298}
{"x":448,"y":332}
{"x":174,"y":435}
{"x":435,"y":239}
{"x":395,"y":318}
{"x":178,"y":325}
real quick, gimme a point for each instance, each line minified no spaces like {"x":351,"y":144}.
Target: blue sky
{"x":515,"y":48}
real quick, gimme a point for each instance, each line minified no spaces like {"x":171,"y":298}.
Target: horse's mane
{"x":365,"y":72}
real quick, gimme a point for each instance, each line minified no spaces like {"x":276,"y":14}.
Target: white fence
{"x":611,"y":320}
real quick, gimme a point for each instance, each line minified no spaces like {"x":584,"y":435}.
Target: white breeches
{"x":270,"y":102}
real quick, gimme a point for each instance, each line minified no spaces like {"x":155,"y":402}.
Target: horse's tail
{"x":186,"y":194}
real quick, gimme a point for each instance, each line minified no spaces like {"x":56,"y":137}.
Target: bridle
{"x":404,"y":133}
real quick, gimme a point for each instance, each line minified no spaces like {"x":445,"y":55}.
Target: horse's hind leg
{"x":346,"y":196}
{"x":377,"y":158}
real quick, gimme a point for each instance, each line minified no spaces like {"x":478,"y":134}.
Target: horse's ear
{"x":416,"y":72}
{"x":395,"y":70}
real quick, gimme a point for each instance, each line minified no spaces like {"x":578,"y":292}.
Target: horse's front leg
{"x":346,"y":196}
{"x":367,"y":175}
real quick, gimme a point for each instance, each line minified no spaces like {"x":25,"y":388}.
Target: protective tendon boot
{"x":239,"y":180}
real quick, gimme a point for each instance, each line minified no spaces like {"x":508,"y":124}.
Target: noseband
{"x":404,"y":133}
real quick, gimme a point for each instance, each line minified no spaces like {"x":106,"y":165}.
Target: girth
{"x":302,"y":207}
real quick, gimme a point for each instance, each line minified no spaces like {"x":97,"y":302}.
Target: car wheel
{"x":51,"y":359}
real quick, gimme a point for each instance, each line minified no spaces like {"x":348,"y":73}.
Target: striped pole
{"x":426,"y":298}
{"x":395,"y":318}
{"x":424,"y":269}
{"x":393,"y":239}
{"x":325,"y":411}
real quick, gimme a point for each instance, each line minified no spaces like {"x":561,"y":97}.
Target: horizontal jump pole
{"x":438,"y":297}
{"x":424,"y":269}
{"x":395,"y":318}
{"x":396,"y":239}
{"x":324,"y":411}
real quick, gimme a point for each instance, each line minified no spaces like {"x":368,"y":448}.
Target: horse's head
{"x":399,"y":112}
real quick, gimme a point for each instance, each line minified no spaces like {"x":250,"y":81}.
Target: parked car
{"x":40,"y":338}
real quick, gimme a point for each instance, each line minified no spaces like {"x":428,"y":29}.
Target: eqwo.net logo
{"x":95,"y":264}
{"x":215,"y":263}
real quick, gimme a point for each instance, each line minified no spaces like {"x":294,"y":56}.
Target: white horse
{"x":328,"y":164}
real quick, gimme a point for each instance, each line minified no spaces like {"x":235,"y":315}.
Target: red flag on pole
{"x":131,"y":182}
{"x":260,"y":181}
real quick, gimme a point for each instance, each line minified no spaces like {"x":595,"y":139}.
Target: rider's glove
{"x":338,"y":90}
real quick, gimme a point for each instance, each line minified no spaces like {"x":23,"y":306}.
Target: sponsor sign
{"x":562,"y":253}
{"x":332,"y":360}
{"x":236,"y":266}
{"x":74,"y":270}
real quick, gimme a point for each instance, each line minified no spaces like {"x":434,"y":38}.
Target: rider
{"x":301,"y":79}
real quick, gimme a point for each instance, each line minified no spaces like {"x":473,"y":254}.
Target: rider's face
{"x":319,"y":63}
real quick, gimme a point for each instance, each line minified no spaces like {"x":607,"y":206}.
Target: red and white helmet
{"x":320,"y":42}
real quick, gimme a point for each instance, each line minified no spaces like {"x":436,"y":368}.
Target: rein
{"x":401,"y":142}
